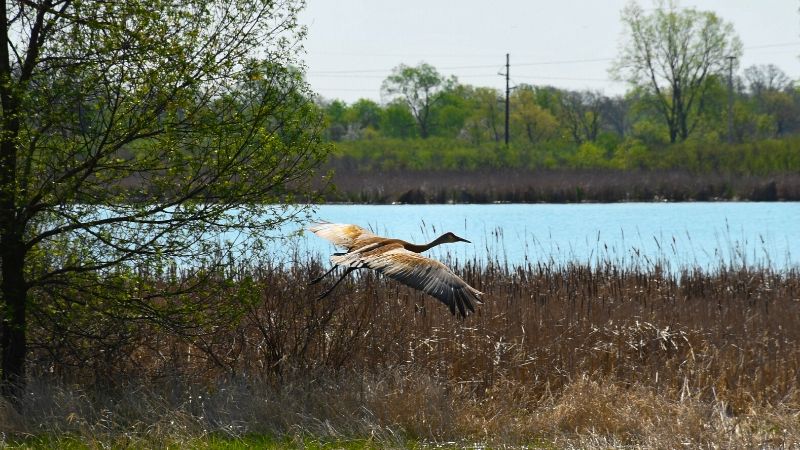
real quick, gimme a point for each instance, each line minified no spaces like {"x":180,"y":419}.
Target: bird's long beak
{"x":464,"y":240}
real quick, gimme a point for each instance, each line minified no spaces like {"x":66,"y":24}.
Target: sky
{"x":352,"y":45}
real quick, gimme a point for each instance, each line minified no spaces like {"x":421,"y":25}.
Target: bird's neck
{"x":417,"y":248}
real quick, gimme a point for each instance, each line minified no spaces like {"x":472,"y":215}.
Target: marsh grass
{"x":556,"y":186}
{"x":559,"y":356}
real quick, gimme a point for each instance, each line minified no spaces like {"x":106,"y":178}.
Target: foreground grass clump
{"x":558,"y":356}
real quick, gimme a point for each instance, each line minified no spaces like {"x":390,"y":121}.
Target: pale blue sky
{"x":352,"y":45}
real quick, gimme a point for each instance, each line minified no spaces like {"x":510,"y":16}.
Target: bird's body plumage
{"x":401,"y":260}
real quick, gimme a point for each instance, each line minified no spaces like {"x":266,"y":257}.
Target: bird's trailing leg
{"x":319,"y":278}
{"x":346,"y":272}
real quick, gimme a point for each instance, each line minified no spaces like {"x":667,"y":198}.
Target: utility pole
{"x":508,"y":92}
{"x":730,"y":98}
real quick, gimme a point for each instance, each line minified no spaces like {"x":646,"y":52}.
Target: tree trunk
{"x":12,"y":329}
{"x":13,"y":288}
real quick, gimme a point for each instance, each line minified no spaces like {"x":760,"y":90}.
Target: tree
{"x":767,"y":77}
{"x":773,"y":95}
{"x":670,"y":53}
{"x":365,"y":114}
{"x":420,"y":89}
{"x":580,"y":114}
{"x":614,"y":115}
{"x":167,"y":125}
{"x":529,"y":119}
{"x":452,"y":109}
{"x":397,"y":121}
{"x":336,"y":112}
{"x":487,"y":115}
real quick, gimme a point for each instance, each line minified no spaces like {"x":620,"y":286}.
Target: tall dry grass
{"x":557,"y":356}
{"x":556,"y":186}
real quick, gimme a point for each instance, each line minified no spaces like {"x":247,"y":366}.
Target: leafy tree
{"x":670,"y":53}
{"x":336,"y":113}
{"x":530,"y":120}
{"x":452,"y":110}
{"x":420,"y":89}
{"x":365,"y":114}
{"x":486,"y":119}
{"x":590,"y":156}
{"x":784,"y":109}
{"x":161,"y":132}
{"x":397,"y":121}
{"x":749,"y":124}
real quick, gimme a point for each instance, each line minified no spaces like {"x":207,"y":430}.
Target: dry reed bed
{"x":556,"y":186}
{"x":571,"y":356}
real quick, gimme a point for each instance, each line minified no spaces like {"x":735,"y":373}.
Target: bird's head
{"x":450,"y":237}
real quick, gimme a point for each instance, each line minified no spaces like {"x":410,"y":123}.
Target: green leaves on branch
{"x":135,"y":134}
{"x":670,"y":54}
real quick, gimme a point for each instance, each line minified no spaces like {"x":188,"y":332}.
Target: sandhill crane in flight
{"x":399,"y":260}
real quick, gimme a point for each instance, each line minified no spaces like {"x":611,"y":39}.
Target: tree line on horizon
{"x":679,"y":64}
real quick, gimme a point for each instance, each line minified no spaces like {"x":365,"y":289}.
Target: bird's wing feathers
{"x":341,"y":234}
{"x":425,"y":274}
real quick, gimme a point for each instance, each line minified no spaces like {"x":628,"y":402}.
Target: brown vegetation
{"x":557,"y":356}
{"x":556,"y":186}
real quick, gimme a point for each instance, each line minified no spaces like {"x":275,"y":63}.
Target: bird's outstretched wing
{"x":419,"y":272}
{"x":342,"y":234}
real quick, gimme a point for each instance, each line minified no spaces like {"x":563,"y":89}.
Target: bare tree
{"x":580,"y":114}
{"x":767,"y":77}
{"x":614,"y":112}
{"x":772,"y":93}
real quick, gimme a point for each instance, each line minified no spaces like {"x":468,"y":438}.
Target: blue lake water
{"x":678,"y":235}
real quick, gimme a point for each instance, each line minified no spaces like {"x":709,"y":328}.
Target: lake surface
{"x":678,"y":235}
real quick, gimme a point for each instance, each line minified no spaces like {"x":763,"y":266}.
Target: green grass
{"x":210,"y":442}
{"x":248,"y":441}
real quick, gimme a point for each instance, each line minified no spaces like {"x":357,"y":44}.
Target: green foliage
{"x":556,"y":128}
{"x":398,"y":122}
{"x":164,"y":135}
{"x":452,"y":110}
{"x":336,"y":113}
{"x":485,"y":120}
{"x":532,"y":122}
{"x":366,"y":114}
{"x":421,"y":89}
{"x":770,"y":156}
{"x":670,"y":54}
{"x":590,"y":155}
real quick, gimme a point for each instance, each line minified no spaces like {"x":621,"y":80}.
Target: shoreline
{"x":350,"y":185}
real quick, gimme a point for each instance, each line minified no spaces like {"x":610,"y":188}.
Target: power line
{"x":351,"y":76}
{"x":566,"y":61}
{"x":382,"y":73}
{"x":345,"y":89}
{"x":486,"y":75}
{"x":785,"y":44}
{"x":537,"y":77}
{"x":491,"y":55}
{"x":482,"y":66}
{"x":530,"y":63}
